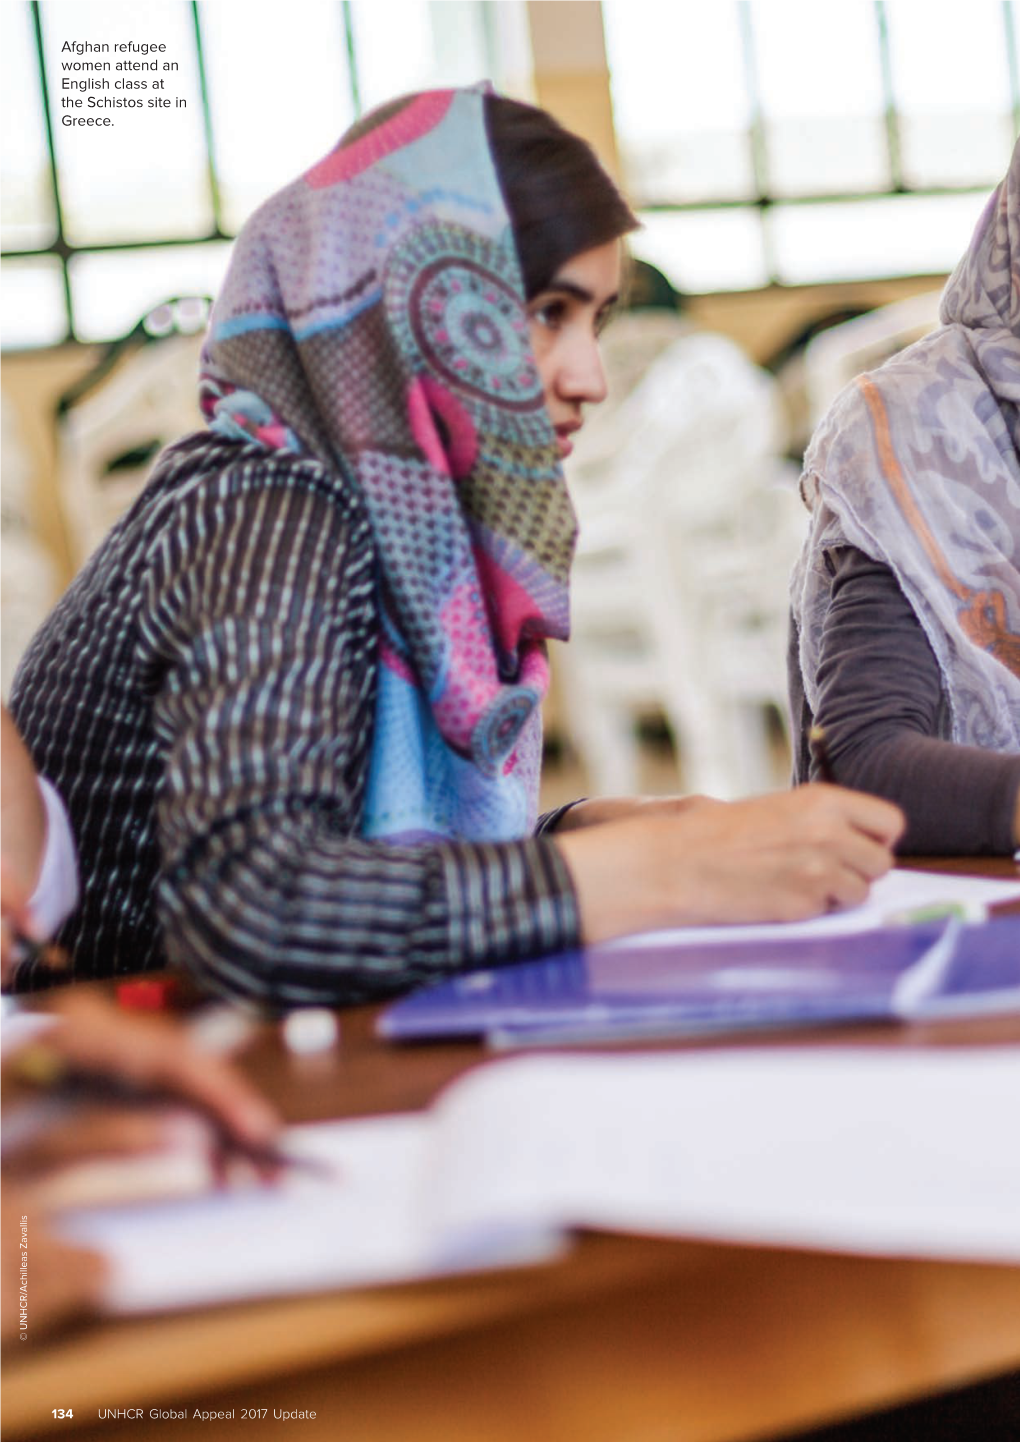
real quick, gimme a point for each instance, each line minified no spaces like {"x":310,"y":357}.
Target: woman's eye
{"x":551,"y":314}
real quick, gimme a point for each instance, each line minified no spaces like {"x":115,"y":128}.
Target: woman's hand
{"x":22,"y":812}
{"x":14,"y":918}
{"x":188,"y":1107}
{"x":23,"y":824}
{"x":99,"y":1087}
{"x":154,"y":1058}
{"x":603,"y":809}
{"x":63,"y":1281}
{"x":783,"y":857}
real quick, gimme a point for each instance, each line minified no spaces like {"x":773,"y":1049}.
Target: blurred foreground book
{"x":863,"y":1149}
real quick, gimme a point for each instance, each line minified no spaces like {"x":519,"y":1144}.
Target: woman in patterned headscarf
{"x":906,"y":599}
{"x":293,"y":703}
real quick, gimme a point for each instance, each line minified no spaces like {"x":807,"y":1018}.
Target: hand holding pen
{"x":18,"y":944}
{"x":120,"y":1086}
{"x":85,"y":1099}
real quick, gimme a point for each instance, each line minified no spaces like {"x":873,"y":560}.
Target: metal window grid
{"x":61,"y":247}
{"x":762,"y":201}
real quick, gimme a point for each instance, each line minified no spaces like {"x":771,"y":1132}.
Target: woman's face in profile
{"x":566,"y":320}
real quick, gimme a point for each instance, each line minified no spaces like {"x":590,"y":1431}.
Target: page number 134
{"x":60,"y":1412}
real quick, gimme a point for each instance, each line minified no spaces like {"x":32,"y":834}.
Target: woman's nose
{"x":583,"y":377}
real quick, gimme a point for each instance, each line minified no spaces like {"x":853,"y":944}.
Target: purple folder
{"x":630,"y":991}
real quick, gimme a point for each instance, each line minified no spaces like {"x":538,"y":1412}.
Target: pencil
{"x":819,"y":747}
{"x":26,"y":951}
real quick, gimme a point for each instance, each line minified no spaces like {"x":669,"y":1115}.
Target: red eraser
{"x":146,"y":995}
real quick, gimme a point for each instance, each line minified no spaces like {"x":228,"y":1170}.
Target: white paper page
{"x":370,"y":1223}
{"x":904,"y":1153}
{"x":899,"y":891}
{"x":901,"y":1153}
{"x":299,"y":1235}
{"x":20,"y":1027}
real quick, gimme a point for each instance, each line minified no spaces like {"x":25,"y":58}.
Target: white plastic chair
{"x":108,"y":439}
{"x":690,"y":524}
{"x":833,"y":358}
{"x":29,"y":584}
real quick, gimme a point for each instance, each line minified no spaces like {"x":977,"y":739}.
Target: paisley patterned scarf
{"x":373,"y":316}
{"x":917,"y":465}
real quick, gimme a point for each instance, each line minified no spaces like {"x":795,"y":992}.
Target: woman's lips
{"x":563,"y":437}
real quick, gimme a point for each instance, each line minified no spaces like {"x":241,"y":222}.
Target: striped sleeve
{"x":259,"y":627}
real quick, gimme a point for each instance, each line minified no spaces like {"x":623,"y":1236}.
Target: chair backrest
{"x":688,"y":441}
{"x":109,"y":438}
{"x":29,"y":583}
{"x":688,"y":531}
{"x":833,"y":358}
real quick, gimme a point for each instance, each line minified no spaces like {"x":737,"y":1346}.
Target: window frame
{"x":763,"y":200}
{"x":64,"y":251}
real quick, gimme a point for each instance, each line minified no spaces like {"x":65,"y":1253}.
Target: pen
{"x":54,"y":958}
{"x":42,"y":1069}
{"x":819,"y":746}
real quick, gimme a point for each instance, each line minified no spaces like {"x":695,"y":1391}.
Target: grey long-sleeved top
{"x":886,"y":719}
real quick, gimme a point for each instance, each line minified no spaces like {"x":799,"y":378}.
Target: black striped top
{"x":203,"y":699}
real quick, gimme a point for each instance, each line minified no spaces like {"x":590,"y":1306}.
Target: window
{"x":791,"y":142}
{"x":101,"y":224}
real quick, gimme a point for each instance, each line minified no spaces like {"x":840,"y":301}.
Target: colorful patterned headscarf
{"x":917,"y":465}
{"x":373,"y":316}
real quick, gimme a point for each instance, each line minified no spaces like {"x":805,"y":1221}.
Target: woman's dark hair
{"x":559,"y":198}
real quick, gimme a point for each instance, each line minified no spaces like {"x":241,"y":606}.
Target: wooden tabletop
{"x":625,"y":1340}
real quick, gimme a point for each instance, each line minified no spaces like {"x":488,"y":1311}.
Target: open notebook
{"x":857,"y":1149}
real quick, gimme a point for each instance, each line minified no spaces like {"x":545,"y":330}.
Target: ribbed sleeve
{"x":886,"y":720}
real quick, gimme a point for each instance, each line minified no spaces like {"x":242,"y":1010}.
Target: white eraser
{"x":223,"y":1029}
{"x":313,"y":1028}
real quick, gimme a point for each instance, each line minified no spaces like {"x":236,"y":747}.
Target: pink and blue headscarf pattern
{"x":373,"y":316}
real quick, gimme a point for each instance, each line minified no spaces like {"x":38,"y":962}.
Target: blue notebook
{"x":622,"y":992}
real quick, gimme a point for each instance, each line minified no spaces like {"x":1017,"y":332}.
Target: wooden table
{"x":626,"y":1340}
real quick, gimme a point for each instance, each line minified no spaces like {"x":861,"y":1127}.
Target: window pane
{"x":144,"y":176}
{"x":964,"y":149}
{"x":824,"y":123}
{"x":679,"y":100}
{"x":303,"y":68}
{"x":112,"y":291}
{"x":459,"y":46}
{"x":28,"y":213}
{"x":898,"y":235}
{"x":411,"y":44}
{"x":34,"y":311}
{"x":507,"y":39}
{"x":704,"y":250}
{"x":951,"y":85}
{"x":830,"y":156}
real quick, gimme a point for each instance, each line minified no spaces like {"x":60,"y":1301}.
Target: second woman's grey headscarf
{"x":917,"y":465}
